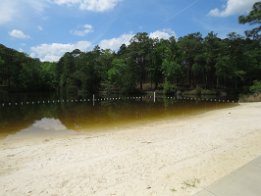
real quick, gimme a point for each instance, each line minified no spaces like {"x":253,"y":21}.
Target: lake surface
{"x":66,"y":118}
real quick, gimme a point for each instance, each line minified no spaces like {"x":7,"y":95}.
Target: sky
{"x":46,"y":29}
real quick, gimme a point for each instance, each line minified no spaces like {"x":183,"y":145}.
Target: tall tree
{"x":2,"y":71}
{"x":253,"y":18}
{"x":156,"y":56}
{"x":211,"y":51}
{"x":140,"y":49}
{"x":191,"y":46}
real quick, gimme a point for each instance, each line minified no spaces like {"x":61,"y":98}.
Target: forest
{"x":191,"y":62}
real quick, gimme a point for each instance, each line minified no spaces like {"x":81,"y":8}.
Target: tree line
{"x":21,"y":73}
{"x":192,"y":61}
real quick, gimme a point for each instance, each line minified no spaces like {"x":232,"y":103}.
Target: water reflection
{"x":41,"y":128}
{"x":49,"y":124}
{"x":63,"y":118}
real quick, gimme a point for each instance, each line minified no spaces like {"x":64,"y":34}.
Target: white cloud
{"x":85,"y":29}
{"x":16,"y":10}
{"x":18,"y":34}
{"x":163,"y":34}
{"x":90,"y":5}
{"x":115,"y":43}
{"x":53,"y":52}
{"x":38,"y":6}
{"x":7,"y":11}
{"x":233,"y":7}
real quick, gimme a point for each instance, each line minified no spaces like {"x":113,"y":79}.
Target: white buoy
{"x":154,"y":96}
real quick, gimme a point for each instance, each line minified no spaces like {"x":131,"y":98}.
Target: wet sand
{"x":168,"y":157}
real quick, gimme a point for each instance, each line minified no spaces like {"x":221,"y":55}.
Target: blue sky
{"x":46,"y":29}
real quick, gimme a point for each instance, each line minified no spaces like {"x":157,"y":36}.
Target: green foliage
{"x":168,"y":88}
{"x":18,"y":72}
{"x":192,"y":61}
{"x":140,"y":50}
{"x":47,"y":75}
{"x":256,"y":87}
{"x":80,"y":72}
{"x":2,"y":71}
{"x":254,"y":18}
{"x":120,"y":76}
{"x":191,"y":46}
{"x":118,"y":69}
{"x":171,"y":69}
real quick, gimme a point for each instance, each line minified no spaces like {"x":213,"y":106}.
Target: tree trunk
{"x":141,"y":87}
{"x":217,"y":83}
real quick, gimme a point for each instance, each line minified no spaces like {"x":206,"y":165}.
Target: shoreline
{"x":167,"y":157}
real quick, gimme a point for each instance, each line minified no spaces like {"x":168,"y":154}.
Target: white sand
{"x":170,"y":157}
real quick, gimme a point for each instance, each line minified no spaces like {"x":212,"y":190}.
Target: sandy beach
{"x":167,"y":157}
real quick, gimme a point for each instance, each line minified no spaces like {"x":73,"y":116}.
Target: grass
{"x":192,"y":183}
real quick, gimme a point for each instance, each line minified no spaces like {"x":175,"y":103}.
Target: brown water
{"x":84,"y":117}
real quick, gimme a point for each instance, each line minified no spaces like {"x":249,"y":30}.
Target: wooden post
{"x":154,"y":96}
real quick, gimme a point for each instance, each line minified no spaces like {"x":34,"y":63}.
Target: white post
{"x":154,"y":96}
{"x":93,"y":99}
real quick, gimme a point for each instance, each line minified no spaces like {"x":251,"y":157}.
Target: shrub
{"x":72,"y":90}
{"x":256,"y":87}
{"x":169,"y":88}
{"x":196,"y":91}
{"x":250,"y":98}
